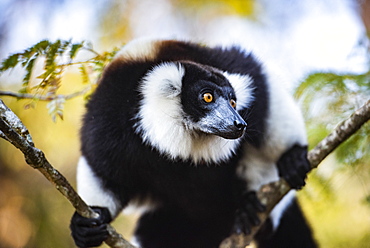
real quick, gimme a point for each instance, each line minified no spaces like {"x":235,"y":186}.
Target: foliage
{"x":326,"y":99}
{"x":56,"y":58}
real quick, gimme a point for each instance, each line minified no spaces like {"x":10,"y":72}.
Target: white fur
{"x":285,"y":124}
{"x":280,"y":208}
{"x":285,"y":127}
{"x":162,"y":123}
{"x":92,"y":191}
{"x":144,"y":48}
{"x":134,"y":241}
{"x":242,"y":88}
{"x":256,"y":168}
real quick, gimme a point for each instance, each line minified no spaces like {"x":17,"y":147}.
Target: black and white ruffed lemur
{"x":167,"y":129}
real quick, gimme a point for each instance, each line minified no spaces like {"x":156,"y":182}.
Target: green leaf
{"x":56,"y":57}
{"x":328,"y":98}
{"x":55,"y":108}
{"x":51,"y":54}
{"x":23,"y":90}
{"x":29,"y":68}
{"x":84,"y":74}
{"x":41,"y":47}
{"x":10,"y":62}
{"x":74,"y":49}
{"x":49,"y":73}
{"x":356,"y":148}
{"x":63,"y":46}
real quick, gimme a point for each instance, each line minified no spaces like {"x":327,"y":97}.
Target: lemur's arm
{"x":92,"y":232}
{"x":283,"y":154}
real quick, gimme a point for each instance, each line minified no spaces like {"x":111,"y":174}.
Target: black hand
{"x":246,"y":215}
{"x":293,"y":166}
{"x":90,"y":232}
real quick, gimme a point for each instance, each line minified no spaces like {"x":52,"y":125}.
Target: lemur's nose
{"x":240,"y":124}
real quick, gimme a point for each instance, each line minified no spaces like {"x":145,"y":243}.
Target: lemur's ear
{"x":166,"y":79}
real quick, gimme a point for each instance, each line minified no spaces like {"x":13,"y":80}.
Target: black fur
{"x":198,"y":201}
{"x":292,"y":224}
{"x":293,"y":167}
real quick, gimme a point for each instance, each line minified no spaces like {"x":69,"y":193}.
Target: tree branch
{"x":271,"y":194}
{"x":44,"y":97}
{"x":13,"y":130}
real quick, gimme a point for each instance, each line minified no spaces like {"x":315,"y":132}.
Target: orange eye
{"x":207,"y":97}
{"x":233,"y":103}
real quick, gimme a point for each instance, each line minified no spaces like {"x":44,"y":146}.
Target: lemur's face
{"x":188,"y":110}
{"x":209,"y":102}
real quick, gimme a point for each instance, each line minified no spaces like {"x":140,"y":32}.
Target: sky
{"x":293,"y":38}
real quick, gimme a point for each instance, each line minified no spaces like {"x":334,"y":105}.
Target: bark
{"x":12,"y":130}
{"x":43,"y":97}
{"x":271,"y":194}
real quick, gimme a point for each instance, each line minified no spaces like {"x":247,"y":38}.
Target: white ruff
{"x":242,"y":88}
{"x":161,"y":121}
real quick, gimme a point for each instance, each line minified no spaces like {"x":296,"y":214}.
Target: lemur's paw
{"x":90,"y":232}
{"x":246,"y":215}
{"x":293,"y":166}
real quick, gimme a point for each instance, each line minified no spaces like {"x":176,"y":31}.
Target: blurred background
{"x":293,"y":38}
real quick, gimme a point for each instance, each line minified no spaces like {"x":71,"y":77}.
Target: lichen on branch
{"x":271,"y":194}
{"x":13,"y":130}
